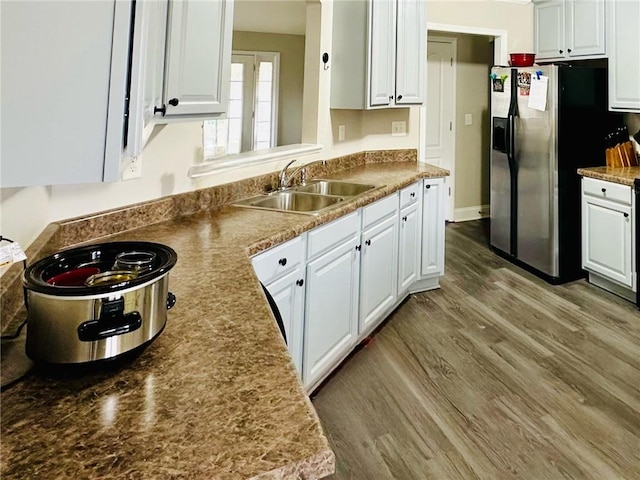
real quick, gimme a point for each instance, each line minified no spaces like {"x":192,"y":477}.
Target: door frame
{"x":500,"y":58}
{"x":449,"y":182}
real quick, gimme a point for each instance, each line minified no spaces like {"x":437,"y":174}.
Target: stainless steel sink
{"x":291,"y":201}
{"x":334,"y":187}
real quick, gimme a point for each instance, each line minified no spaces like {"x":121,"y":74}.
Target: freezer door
{"x":500,"y":170}
{"x":500,"y":212}
{"x":536,"y":157}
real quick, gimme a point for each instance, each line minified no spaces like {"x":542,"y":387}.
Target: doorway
{"x":459,"y":141}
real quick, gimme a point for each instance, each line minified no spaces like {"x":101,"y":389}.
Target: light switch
{"x":468,"y":120}
{"x":341,"y":132}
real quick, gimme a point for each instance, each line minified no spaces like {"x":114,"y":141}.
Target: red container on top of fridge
{"x":521,"y":59}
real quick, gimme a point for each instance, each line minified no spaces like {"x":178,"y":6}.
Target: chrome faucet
{"x":284,"y":180}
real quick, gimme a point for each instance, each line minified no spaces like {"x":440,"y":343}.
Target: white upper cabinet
{"x":64,"y":77}
{"x":411,"y":53}
{"x":623,"y":34}
{"x":567,"y":29}
{"x":378,"y":53}
{"x":198,"y":60}
{"x":147,"y":73}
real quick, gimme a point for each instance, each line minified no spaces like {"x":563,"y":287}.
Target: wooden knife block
{"x":622,"y":155}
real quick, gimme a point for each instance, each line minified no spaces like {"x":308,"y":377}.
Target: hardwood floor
{"x":497,"y":375}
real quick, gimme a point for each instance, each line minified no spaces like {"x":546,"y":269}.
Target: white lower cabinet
{"x":288,"y":293}
{"x":281,"y":270}
{"x":331,"y":310}
{"x":432,"y":227}
{"x":409,"y":237}
{"x":378,"y":271}
{"x":334,"y":284}
{"x":607,"y":232}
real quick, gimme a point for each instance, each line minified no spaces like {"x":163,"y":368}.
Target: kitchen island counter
{"x":216,"y":395}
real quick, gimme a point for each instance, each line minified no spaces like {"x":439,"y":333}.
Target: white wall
{"x":166,"y":159}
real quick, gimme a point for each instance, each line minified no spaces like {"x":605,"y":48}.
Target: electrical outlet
{"x":398,"y":129}
{"x":131,"y":168}
{"x":341,"y":132}
{"x":468,"y":119}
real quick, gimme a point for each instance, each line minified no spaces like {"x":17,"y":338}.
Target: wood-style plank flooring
{"x":497,"y":375}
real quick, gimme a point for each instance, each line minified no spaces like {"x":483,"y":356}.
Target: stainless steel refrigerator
{"x":540,"y":136}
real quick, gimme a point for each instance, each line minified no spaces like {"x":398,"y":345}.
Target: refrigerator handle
{"x":509,"y":137}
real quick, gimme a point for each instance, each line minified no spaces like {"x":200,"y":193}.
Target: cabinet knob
{"x":427,"y":186}
{"x":399,"y":97}
{"x":604,"y":190}
{"x":162,"y":110}
{"x":368,"y":242}
{"x":626,"y":215}
{"x":404,"y":219}
{"x":282,"y":261}
{"x":358,"y":247}
{"x":412,"y":194}
{"x":300,"y":282}
{"x":390,"y":97}
{"x":174,"y":102}
{"x":561,"y":51}
{"x":569,"y":50}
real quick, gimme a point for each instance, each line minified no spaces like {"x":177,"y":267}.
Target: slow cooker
{"x":97,"y":302}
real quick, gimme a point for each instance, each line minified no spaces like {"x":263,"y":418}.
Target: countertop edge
{"x":621,"y":175}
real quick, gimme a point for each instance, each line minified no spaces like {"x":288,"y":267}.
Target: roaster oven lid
{"x":41,"y":276}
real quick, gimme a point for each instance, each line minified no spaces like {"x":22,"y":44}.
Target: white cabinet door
{"x":147,"y":73}
{"x":606,"y":239}
{"x":585,"y":28}
{"x":198,"y":60}
{"x":331,"y":310}
{"x":378,"y":53}
{"x":564,"y":29}
{"x":432,"y":227}
{"x":382,"y":14}
{"x":288,"y":293}
{"x":409,"y":247}
{"x":64,"y":77}
{"x":378,"y":271}
{"x":623,"y":35}
{"x":549,"y":29}
{"x":411,"y":54}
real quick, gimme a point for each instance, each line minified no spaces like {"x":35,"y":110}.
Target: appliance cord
{"x":15,"y":335}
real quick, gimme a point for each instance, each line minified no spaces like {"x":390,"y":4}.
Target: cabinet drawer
{"x":328,"y":236}
{"x":409,"y":195}
{"x":379,"y":210}
{"x":610,"y":191}
{"x":280,"y":260}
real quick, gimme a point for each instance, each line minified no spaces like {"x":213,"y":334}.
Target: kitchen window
{"x":251,"y":122}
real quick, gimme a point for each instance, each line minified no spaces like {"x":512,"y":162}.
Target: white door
{"x":288,"y":293}
{"x":440,"y":111}
{"x":432,"y":227}
{"x":585,"y":28}
{"x":382,"y":61}
{"x":198,"y":57}
{"x":147,"y":74}
{"x":241,"y":103}
{"x":409,"y":247}
{"x":410,"y":52}
{"x":331,"y":309}
{"x":549,"y":29}
{"x":378,"y":271}
{"x":606,"y":240}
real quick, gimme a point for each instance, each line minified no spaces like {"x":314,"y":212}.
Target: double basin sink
{"x":312,"y":198}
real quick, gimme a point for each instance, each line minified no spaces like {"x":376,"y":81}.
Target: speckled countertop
{"x":216,"y":394}
{"x":623,"y":175}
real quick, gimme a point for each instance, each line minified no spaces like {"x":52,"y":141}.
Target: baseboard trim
{"x":470,"y":213}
